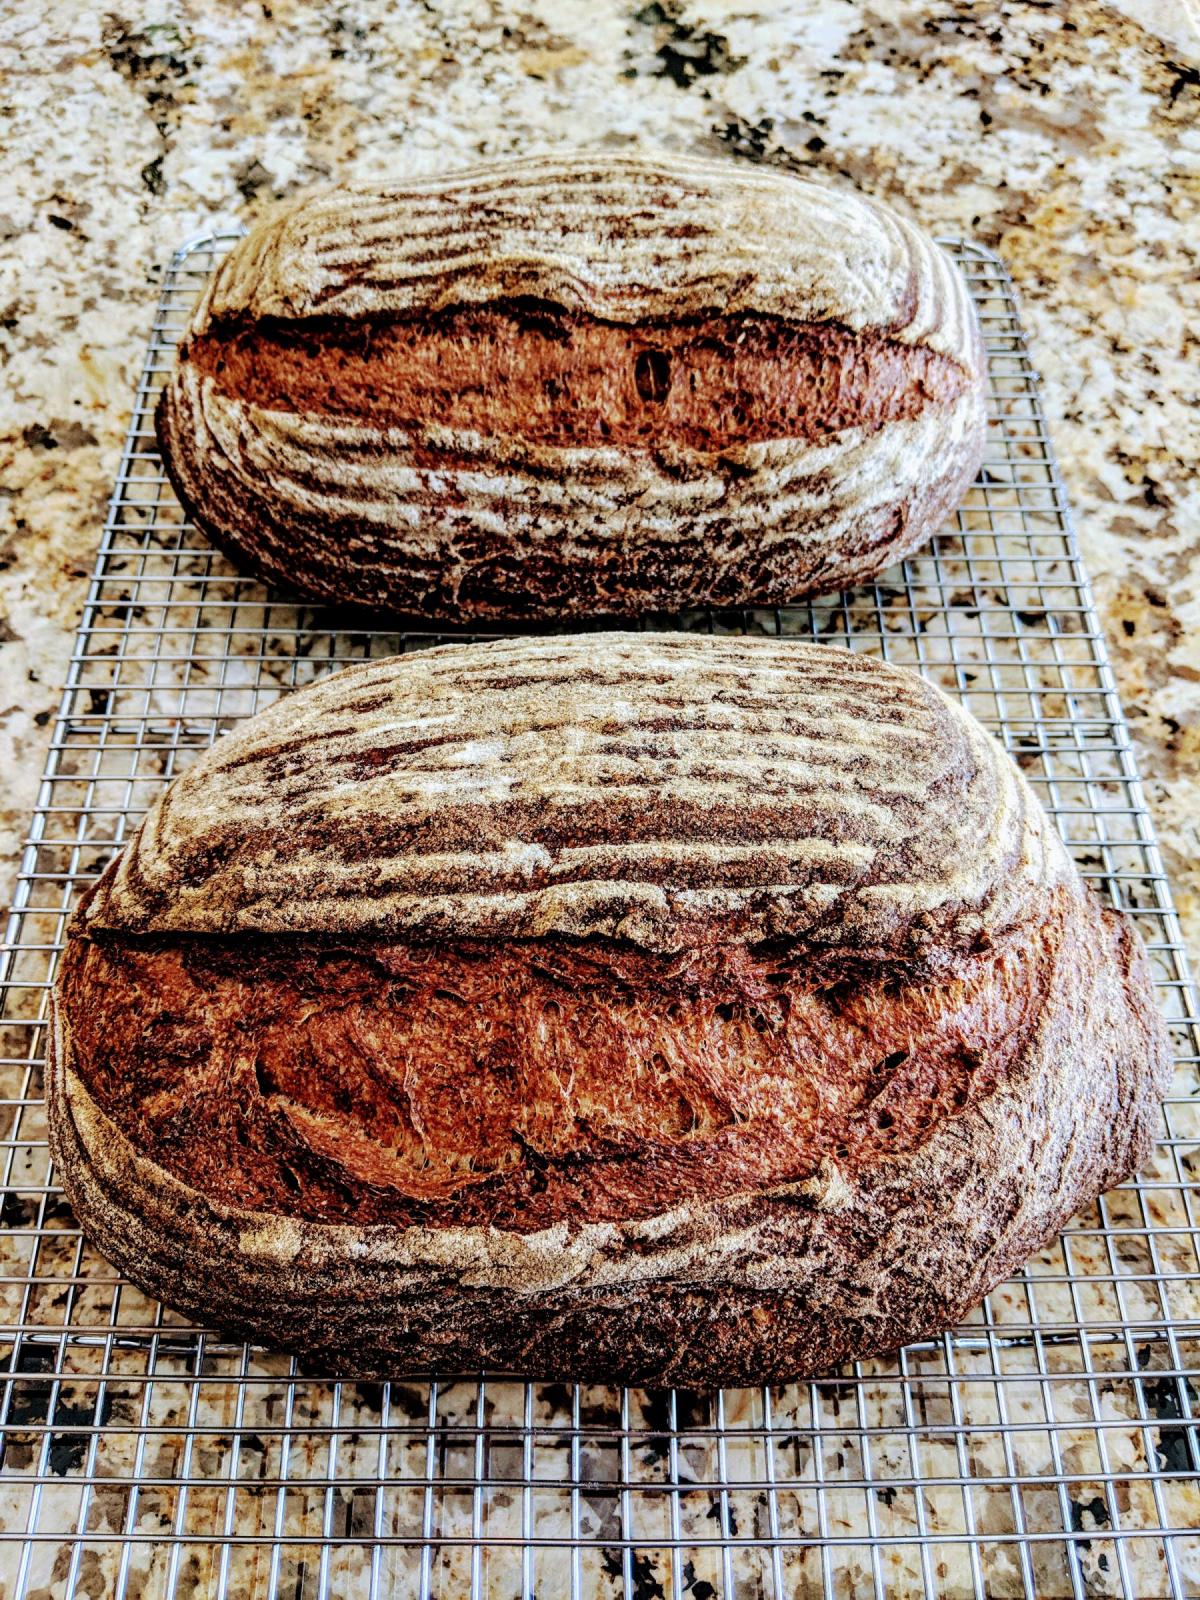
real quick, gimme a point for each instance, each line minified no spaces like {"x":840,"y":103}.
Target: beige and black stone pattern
{"x":1066,"y":139}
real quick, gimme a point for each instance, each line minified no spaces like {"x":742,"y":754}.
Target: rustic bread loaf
{"x":621,"y":1007}
{"x":590,"y":384}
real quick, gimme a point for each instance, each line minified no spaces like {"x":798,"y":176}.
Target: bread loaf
{"x":621,"y":1007}
{"x":589,"y":384}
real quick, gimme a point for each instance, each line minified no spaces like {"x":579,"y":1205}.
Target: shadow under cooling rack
{"x":1046,"y":1449}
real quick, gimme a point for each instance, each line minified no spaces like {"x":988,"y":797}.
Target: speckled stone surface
{"x":1065,"y":137}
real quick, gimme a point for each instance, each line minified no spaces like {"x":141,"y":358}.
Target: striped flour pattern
{"x":659,"y":789}
{"x":356,"y":944}
{"x":592,"y":265}
{"x":621,"y":237}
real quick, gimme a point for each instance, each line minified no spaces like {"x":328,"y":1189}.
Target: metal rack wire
{"x":1047,"y":1448}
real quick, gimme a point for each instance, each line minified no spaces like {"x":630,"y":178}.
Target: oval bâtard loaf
{"x":587,"y":384}
{"x":640,"y":1008}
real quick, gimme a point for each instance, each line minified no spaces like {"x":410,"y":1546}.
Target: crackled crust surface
{"x":517,"y":1086}
{"x":631,"y":1007}
{"x":813,"y":1256}
{"x":594,"y":384}
{"x":712,"y":383}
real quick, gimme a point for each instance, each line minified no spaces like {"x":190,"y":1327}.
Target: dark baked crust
{"x":628,"y":1127}
{"x":518,"y":1085}
{"x":548,"y":376}
{"x":364,"y":410}
{"x":846,"y":1259}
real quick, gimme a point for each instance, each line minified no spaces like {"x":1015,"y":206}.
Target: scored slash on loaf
{"x":579,"y":384}
{"x":621,"y":1007}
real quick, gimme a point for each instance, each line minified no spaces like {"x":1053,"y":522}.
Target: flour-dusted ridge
{"x":624,"y":237}
{"x":659,"y":789}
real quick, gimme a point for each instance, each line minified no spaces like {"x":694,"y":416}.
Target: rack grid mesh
{"x":1046,"y":1448}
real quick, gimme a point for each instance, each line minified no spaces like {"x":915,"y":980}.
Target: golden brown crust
{"x":831,"y":416}
{"x":518,"y":1085}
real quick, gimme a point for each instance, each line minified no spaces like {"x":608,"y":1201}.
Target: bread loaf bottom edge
{"x":551,"y":563}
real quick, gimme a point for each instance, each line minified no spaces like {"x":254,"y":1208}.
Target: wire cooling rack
{"x":1047,"y":1448}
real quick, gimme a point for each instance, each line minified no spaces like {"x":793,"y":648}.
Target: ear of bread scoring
{"x":622,"y":237}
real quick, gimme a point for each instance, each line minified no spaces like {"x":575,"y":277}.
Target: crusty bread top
{"x":667,"y":790}
{"x":716,"y":384}
{"x":623,"y":237}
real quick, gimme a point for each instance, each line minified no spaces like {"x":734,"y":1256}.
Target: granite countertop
{"x":1067,"y":138}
